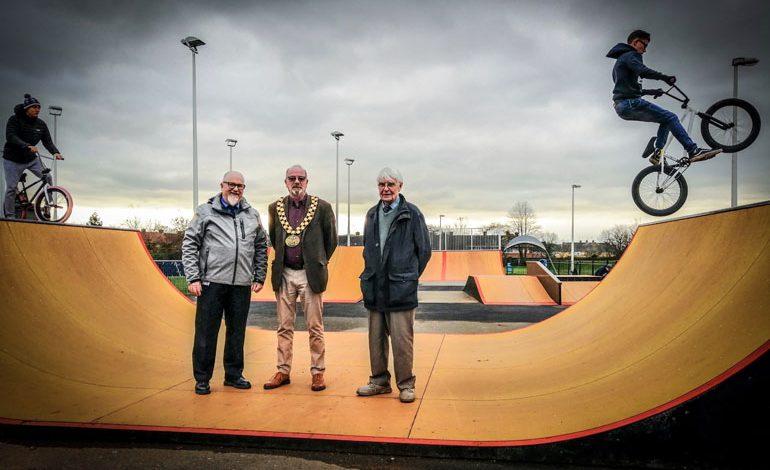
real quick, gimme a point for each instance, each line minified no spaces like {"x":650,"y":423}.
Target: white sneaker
{"x":371,"y":389}
{"x":407,"y":395}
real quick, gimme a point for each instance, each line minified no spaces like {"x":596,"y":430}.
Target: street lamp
{"x":193,"y":43}
{"x":441,"y":216}
{"x":737,"y":62}
{"x":231,"y":143}
{"x":337,"y":135}
{"x":55,"y":111}
{"x":349,"y":163}
{"x":572,"y":249}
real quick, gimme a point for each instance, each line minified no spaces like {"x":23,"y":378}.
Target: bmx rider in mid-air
{"x":629,"y":105}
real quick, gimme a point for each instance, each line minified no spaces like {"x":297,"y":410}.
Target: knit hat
{"x":30,"y":101}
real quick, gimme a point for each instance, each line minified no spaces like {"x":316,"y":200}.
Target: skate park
{"x":89,"y":348}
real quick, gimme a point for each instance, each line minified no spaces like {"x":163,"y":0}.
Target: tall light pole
{"x":572,"y":249}
{"x":55,"y":111}
{"x":337,"y":135}
{"x":737,"y":62}
{"x":440,"y":232}
{"x":349,"y":163}
{"x":193,"y":43}
{"x":231,"y":143}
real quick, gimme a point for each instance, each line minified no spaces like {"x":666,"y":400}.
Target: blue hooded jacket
{"x":628,"y":68}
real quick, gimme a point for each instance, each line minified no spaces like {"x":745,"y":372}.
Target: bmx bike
{"x":731,"y":124}
{"x":48,"y":203}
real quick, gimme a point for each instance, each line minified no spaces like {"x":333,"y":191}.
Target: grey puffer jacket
{"x":224,"y":248}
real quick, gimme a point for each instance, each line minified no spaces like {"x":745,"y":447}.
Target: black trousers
{"x":214,"y":301}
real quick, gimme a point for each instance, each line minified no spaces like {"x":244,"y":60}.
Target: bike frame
{"x":43,"y":182}
{"x":681,"y":164}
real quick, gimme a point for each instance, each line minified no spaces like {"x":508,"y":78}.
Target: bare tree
{"x":134,"y":223}
{"x":523,"y":222}
{"x":523,"y":219}
{"x":550,"y":240}
{"x":179,"y":224}
{"x":617,"y":238}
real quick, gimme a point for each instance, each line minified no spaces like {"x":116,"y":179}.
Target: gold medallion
{"x":292,"y":241}
{"x":292,"y":233}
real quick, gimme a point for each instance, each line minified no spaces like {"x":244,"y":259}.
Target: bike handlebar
{"x":49,"y":157}
{"x":684,"y":99}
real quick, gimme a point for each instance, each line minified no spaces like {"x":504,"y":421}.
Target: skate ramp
{"x":507,"y":290}
{"x":573,"y":291}
{"x":93,"y":336}
{"x":345,"y":266}
{"x":456,"y":266}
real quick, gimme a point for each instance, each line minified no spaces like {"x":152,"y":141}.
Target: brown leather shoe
{"x":277,"y":380}
{"x":318,"y":383}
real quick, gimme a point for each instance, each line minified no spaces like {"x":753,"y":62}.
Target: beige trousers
{"x":293,"y":285}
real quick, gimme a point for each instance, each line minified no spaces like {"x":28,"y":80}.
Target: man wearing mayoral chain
{"x":304,"y":235}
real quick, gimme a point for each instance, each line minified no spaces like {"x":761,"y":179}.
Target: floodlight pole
{"x":737,"y":62}
{"x":572,"y":243}
{"x":349,"y":163}
{"x":337,"y":135}
{"x":192,"y":43}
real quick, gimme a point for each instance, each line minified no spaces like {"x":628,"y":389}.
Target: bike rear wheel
{"x":58,"y":210}
{"x":746,"y":128}
{"x":657,"y":192}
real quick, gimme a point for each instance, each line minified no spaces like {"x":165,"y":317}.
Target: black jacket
{"x":627,"y":70}
{"x":23,"y":131}
{"x":389,"y":282}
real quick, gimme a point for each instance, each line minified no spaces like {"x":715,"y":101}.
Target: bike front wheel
{"x":741,"y":118}
{"x":53,"y":205}
{"x":657,"y":192}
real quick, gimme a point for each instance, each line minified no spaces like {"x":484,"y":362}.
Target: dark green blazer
{"x":319,"y":240}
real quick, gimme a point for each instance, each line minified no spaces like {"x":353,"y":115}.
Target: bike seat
{"x":23,"y":178}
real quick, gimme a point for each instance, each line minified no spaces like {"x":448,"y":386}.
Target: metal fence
{"x":171,"y":268}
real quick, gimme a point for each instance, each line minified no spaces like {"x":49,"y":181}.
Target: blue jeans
{"x":13,"y":172}
{"x":637,"y":109}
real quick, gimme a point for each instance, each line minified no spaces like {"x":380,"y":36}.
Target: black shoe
{"x":202,"y":387}
{"x":649,"y":148}
{"x":699,"y":154}
{"x":240,"y":382}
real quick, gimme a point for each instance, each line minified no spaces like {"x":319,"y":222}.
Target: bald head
{"x":233,"y":185}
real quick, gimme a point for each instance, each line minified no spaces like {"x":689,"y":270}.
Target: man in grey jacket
{"x":396,"y":251}
{"x":225,"y":258}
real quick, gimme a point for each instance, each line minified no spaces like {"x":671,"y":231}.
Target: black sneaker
{"x":699,"y":154}
{"x":650,"y":148}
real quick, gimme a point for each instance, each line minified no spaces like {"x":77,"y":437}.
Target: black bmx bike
{"x":47,"y":203}
{"x":731,"y":124}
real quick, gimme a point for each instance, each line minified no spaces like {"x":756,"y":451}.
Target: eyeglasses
{"x":234,"y":185}
{"x":296,"y":178}
{"x":644,"y":43}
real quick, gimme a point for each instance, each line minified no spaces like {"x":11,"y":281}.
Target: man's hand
{"x":669,"y":79}
{"x":256,"y":287}
{"x":58,"y":156}
{"x":32,"y":149}
{"x":195,"y":288}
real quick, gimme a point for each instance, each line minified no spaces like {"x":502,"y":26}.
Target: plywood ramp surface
{"x":345,"y":266}
{"x":511,"y":290}
{"x":93,"y":335}
{"x":573,"y":291}
{"x":458,"y":265}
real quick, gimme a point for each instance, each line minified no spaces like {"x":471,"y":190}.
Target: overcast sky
{"x":479,"y":104}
